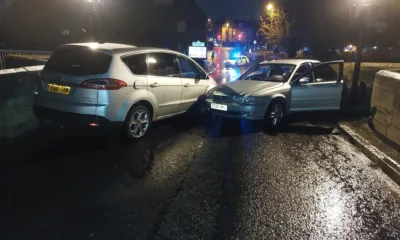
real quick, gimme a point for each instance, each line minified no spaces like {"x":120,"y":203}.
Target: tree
{"x":274,"y":28}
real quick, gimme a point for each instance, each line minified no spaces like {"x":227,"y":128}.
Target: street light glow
{"x":270,"y":7}
{"x":93,"y":45}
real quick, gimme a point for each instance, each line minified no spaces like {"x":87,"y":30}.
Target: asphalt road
{"x":210,"y":178}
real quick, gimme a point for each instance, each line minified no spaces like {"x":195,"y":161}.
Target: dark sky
{"x":234,"y":9}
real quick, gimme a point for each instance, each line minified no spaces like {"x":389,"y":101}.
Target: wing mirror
{"x":304,"y":80}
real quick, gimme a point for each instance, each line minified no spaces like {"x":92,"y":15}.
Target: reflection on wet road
{"x":305,"y":183}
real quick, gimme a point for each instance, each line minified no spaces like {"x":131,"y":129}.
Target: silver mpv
{"x":274,"y":89}
{"x":107,"y":85}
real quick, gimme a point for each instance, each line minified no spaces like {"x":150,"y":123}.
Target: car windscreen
{"x":77,"y":60}
{"x":269,"y":72}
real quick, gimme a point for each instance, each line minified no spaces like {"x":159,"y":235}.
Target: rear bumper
{"x":73,"y":119}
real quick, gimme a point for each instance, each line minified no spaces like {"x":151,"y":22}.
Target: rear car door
{"x":164,"y":82}
{"x":323,"y":89}
{"x":63,"y":78}
{"x":195,"y":82}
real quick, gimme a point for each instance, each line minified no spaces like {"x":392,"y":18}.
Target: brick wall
{"x":386,"y":100}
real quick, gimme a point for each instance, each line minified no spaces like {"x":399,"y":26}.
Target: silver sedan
{"x":274,"y":89}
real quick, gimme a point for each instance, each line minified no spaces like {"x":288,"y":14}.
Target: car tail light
{"x":104,"y":84}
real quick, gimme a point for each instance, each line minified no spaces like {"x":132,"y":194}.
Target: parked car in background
{"x":239,"y":61}
{"x":115,"y":85}
{"x":273,"y":89}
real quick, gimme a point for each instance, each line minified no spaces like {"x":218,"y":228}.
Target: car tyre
{"x":137,"y":122}
{"x":274,"y":115}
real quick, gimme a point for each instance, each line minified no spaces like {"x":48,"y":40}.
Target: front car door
{"x":195,"y":82}
{"x":318,"y":89}
{"x":164,"y":82}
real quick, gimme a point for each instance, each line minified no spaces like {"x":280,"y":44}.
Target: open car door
{"x":319,"y":89}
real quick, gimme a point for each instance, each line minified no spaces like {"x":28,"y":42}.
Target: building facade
{"x":236,"y":31}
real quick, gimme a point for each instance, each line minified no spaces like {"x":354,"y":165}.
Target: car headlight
{"x":238,"y":99}
{"x":249,"y":100}
{"x":246,"y":99}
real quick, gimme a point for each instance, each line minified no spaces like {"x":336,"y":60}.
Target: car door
{"x":319,"y":88}
{"x":195,"y":81}
{"x":164,"y":82}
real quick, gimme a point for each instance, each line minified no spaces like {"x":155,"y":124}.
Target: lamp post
{"x":270,"y":11}
{"x":95,"y":10}
{"x":364,"y":8}
{"x":227,"y":35}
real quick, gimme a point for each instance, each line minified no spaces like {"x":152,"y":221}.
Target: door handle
{"x":187,"y":85}
{"x":154,"y":85}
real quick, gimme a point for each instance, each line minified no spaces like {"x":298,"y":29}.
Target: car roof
{"x":291,"y":61}
{"x":117,"y":48}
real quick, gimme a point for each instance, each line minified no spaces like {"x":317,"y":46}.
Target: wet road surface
{"x":306,"y":183}
{"x":210,"y":178}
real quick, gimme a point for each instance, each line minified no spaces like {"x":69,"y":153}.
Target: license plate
{"x":219,"y":107}
{"x":58,"y":89}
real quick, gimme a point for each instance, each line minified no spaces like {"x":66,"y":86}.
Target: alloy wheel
{"x":276,"y":114}
{"x":204,"y":109}
{"x":139,"y":123}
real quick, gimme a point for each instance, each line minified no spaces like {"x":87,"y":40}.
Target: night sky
{"x":233,"y":9}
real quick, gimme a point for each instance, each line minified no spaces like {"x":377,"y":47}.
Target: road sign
{"x":198,"y":44}
{"x":198,"y":52}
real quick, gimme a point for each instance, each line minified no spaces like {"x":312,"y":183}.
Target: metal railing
{"x":33,"y":55}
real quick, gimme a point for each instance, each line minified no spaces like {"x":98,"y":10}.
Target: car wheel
{"x":137,"y":122}
{"x":274,"y":114}
{"x":204,"y":109}
{"x":199,"y":109}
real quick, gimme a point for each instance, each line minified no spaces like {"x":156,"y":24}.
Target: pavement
{"x":209,"y":178}
{"x":380,"y":150}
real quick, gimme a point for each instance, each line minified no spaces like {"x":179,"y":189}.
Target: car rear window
{"x":78,"y":61}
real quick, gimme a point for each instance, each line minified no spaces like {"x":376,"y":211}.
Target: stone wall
{"x":386,"y":101}
{"x":16,"y":99}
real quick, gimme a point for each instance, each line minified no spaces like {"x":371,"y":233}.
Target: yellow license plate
{"x":58,"y":89}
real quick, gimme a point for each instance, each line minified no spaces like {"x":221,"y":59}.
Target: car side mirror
{"x":304,"y":80}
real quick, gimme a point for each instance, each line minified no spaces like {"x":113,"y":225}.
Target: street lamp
{"x":364,"y":6}
{"x":227,"y":35}
{"x":270,"y":10}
